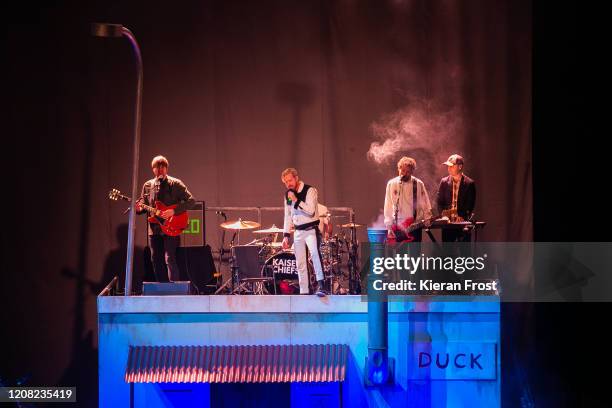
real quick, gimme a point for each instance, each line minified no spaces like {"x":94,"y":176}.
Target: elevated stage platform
{"x":445,"y":351}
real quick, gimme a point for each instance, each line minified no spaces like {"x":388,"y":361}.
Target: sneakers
{"x":320,"y":292}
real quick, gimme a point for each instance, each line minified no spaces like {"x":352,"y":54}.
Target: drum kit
{"x":276,"y":268}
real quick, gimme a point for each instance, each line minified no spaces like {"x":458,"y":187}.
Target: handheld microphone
{"x":287,"y":195}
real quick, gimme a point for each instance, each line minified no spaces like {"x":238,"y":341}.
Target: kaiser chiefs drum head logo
{"x":288,"y":266}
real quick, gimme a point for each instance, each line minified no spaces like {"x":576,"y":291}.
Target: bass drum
{"x":283,"y":268}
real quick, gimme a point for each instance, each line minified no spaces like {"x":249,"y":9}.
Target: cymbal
{"x":329,"y":215}
{"x":240,"y":225}
{"x":350,"y":225}
{"x":263,"y":243}
{"x":272,"y":230}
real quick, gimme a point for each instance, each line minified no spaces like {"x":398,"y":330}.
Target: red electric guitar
{"x":172,"y":226}
{"x":402,"y":232}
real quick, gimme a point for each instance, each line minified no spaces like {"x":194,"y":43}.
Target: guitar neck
{"x":420,"y":224}
{"x":148,"y":208}
{"x":128,"y":199}
{"x":416,"y":225}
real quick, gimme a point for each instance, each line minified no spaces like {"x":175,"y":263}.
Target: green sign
{"x":193,"y":227}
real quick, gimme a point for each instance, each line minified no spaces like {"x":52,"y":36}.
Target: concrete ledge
{"x":291,"y":304}
{"x":328,"y":304}
{"x":250,"y":304}
{"x":153,"y":304}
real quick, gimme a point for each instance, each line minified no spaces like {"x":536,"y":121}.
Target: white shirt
{"x":306,"y":212}
{"x":405,"y":201}
{"x":322,"y":221}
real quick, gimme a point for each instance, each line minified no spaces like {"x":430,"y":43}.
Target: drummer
{"x":325,"y":225}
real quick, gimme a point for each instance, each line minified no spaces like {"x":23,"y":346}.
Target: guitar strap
{"x":414,"y":199}
{"x":152,"y":195}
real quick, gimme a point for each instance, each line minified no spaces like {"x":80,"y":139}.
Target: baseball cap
{"x":454,"y":159}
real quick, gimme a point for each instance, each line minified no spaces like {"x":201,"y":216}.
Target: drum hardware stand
{"x":258,"y":286}
{"x":229,"y":282}
{"x":255,"y":286}
{"x":234,"y":278}
{"x":354,"y":278}
{"x":238,"y":287}
{"x":233,"y":282}
{"x":268,"y":278}
{"x":222,"y":251}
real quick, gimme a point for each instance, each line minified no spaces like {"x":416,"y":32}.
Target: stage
{"x":445,"y":351}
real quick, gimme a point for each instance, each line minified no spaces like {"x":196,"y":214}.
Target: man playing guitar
{"x":406,"y":201}
{"x":168,"y":191}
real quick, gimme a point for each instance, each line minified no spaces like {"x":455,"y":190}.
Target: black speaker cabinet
{"x":247,"y":260}
{"x":197,"y":265}
{"x":167,"y":288}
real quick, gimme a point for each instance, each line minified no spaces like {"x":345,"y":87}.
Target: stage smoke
{"x":424,"y":130}
{"x":379,"y":222}
{"x":422,"y":124}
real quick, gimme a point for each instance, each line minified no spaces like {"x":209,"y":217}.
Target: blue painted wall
{"x":415,"y":328}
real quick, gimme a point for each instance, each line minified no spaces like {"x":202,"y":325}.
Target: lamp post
{"x":116,"y":31}
{"x":379,"y":368}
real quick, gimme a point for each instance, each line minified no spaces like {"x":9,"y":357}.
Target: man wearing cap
{"x":457,"y":192}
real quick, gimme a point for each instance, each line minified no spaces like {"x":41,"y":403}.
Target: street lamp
{"x":116,"y":31}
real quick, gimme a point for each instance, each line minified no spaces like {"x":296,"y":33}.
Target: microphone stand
{"x":221,"y":249}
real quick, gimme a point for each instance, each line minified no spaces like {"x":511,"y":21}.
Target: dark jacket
{"x":466,"y":198}
{"x":171,"y":191}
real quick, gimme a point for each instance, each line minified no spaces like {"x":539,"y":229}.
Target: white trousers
{"x":301,"y":240}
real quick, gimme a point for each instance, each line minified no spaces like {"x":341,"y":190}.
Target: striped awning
{"x":237,"y":364}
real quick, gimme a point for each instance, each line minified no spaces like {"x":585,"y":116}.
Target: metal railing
{"x":259,"y":210}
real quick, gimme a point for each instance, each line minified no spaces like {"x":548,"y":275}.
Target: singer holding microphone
{"x":301,"y":212}
{"x":170,"y":191}
{"x":406,"y":197}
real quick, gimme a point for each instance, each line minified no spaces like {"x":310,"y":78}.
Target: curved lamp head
{"x":106,"y":30}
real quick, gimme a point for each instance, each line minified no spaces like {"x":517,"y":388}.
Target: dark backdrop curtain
{"x":233,"y":93}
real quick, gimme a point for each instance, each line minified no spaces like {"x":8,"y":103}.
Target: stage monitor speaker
{"x":193,"y":235}
{"x":167,"y":288}
{"x":247,"y":260}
